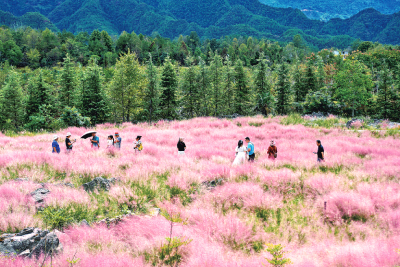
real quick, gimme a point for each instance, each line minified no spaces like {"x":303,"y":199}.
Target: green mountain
{"x":209,"y":18}
{"x":325,"y":10}
{"x":32,"y":19}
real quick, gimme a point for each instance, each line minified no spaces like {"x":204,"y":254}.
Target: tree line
{"x":134,"y":87}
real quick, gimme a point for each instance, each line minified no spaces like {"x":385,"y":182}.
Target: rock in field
{"x":40,"y":194}
{"x":99,"y":183}
{"x":28,"y":242}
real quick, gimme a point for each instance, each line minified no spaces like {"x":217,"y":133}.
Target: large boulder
{"x":28,"y":242}
{"x":99,"y":183}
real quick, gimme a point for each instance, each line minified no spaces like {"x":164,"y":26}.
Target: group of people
{"x":243,"y":153}
{"x":112,"y":142}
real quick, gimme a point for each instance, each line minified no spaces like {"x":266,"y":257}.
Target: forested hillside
{"x":209,"y":18}
{"x":64,"y":79}
{"x":325,"y":10}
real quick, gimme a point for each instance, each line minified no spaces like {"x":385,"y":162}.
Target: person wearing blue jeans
{"x":250,"y":149}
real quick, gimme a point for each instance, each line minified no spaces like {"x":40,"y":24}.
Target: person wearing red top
{"x":272,"y":150}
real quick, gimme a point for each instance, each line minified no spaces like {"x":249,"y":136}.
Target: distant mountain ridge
{"x":209,"y":18}
{"x":325,"y":10}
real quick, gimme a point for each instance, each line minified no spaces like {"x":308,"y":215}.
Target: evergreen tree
{"x":242,"y":91}
{"x":152,"y":92}
{"x":216,"y":83}
{"x":11,"y":103}
{"x":94,"y":104}
{"x":261,"y":81}
{"x":168,"y":98}
{"x":386,"y":102}
{"x":321,"y":76}
{"x":299,"y":86}
{"x":190,"y":94}
{"x":38,"y":95}
{"x":127,"y":87}
{"x":68,"y":83}
{"x":283,"y":90}
{"x":204,"y":84}
{"x":229,"y":87}
{"x":310,"y":80}
{"x":265,"y":100}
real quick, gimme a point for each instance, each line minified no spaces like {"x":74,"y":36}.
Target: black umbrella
{"x":88,"y":134}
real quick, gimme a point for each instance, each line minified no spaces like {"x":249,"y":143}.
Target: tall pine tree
{"x":11,"y":103}
{"x":310,"y":80}
{"x":38,"y":95}
{"x":229,"y":87}
{"x":386,"y":102}
{"x":94,"y":104}
{"x":190,"y":94}
{"x":169,"y":84}
{"x":283,"y":90}
{"x":242,"y":91}
{"x":216,"y":83}
{"x":127,"y":86}
{"x":152,"y":93}
{"x":68,"y":83}
{"x":204,"y":84}
{"x":299,"y":85}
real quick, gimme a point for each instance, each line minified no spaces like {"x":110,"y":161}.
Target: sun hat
{"x":68,"y":134}
{"x":55,"y":137}
{"x":116,"y":133}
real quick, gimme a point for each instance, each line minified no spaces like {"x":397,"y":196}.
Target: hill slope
{"x":211,"y":19}
{"x":325,"y":10}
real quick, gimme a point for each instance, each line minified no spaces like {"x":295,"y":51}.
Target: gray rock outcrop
{"x":99,"y":183}
{"x":28,"y":242}
{"x":40,"y":194}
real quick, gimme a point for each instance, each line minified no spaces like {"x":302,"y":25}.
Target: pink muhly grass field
{"x":343,"y":212}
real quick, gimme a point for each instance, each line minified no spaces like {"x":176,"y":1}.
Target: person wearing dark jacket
{"x":68,"y":142}
{"x":272,"y":150}
{"x":320,"y":153}
{"x":181,"y":146}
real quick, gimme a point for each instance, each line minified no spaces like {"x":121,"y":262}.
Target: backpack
{"x":140,"y":146}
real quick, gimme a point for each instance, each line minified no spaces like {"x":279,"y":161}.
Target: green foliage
{"x":57,"y":218}
{"x":72,"y":117}
{"x":44,"y":120}
{"x":68,"y":83}
{"x":93,"y":101}
{"x":169,"y":84}
{"x":352,"y":86}
{"x":11,"y":106}
{"x":283,"y":90}
{"x":151,"y":99}
{"x":127,"y":87}
{"x":277,"y":254}
{"x":243,"y":94}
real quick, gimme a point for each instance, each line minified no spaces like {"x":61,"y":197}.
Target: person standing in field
{"x":320,"y":152}
{"x":68,"y":142}
{"x":95,"y":141}
{"x":181,"y":146}
{"x":110,"y":141}
{"x":138,"y":144}
{"x":250,"y":149}
{"x":241,"y":153}
{"x":117,"y":141}
{"x":55,"y":146}
{"x":272,"y":150}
